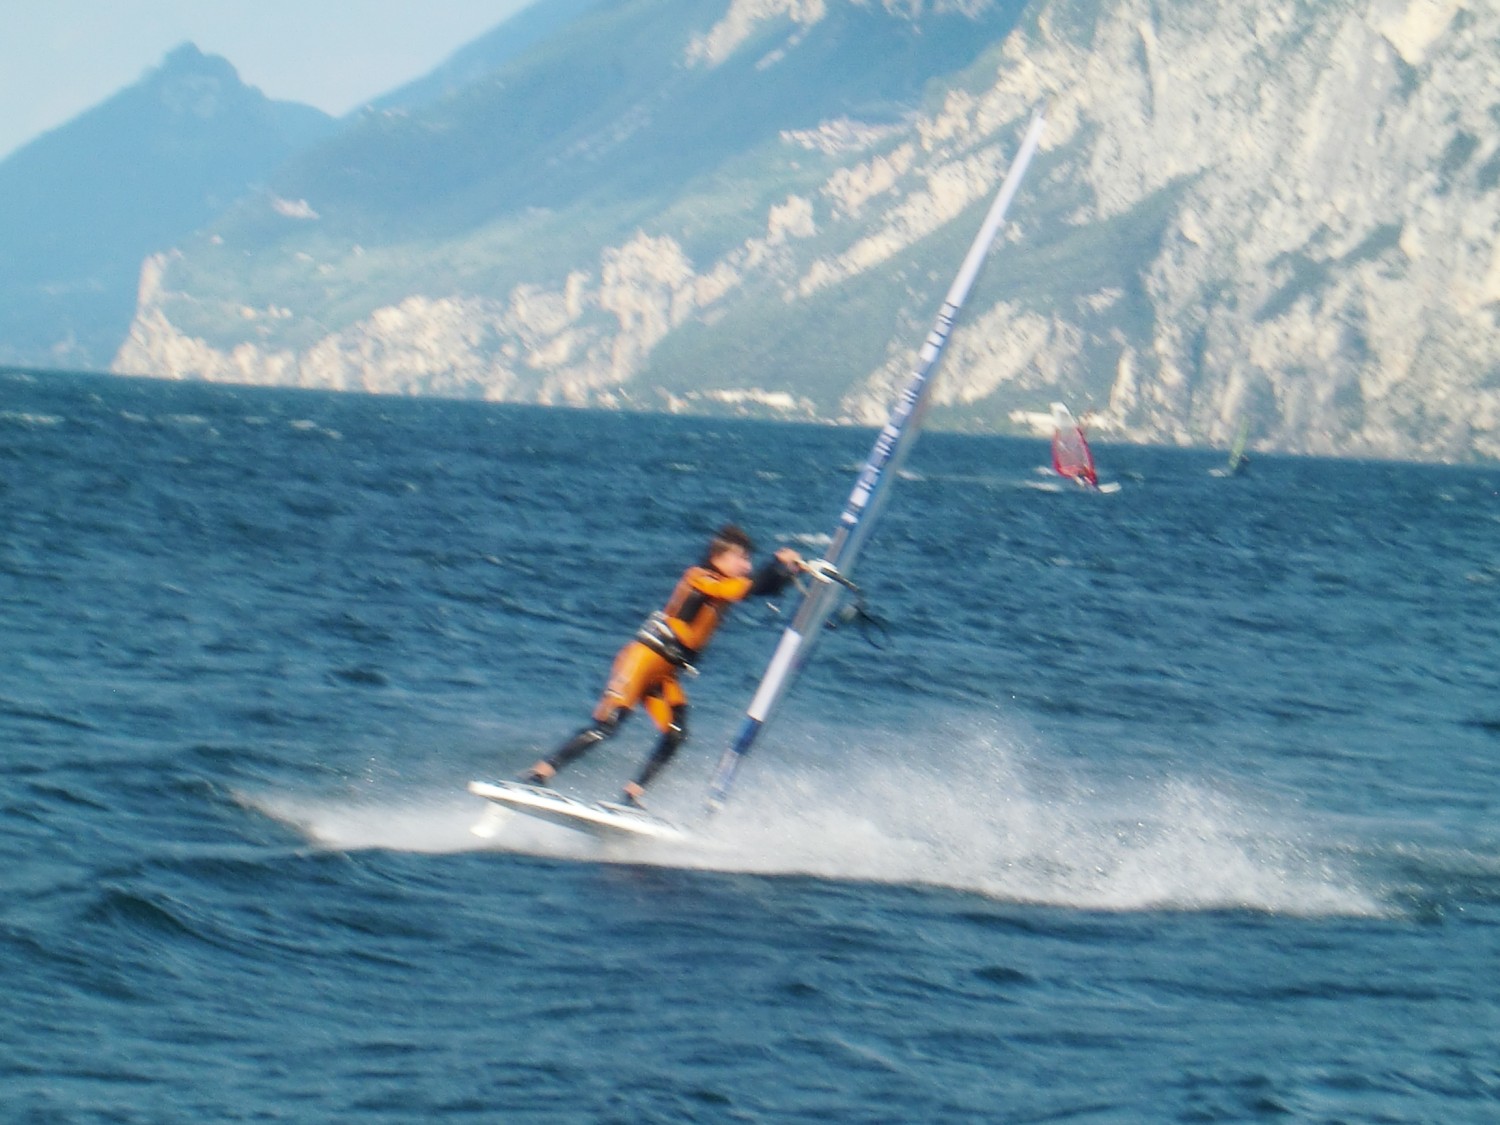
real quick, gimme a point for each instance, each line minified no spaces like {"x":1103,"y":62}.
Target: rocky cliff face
{"x":1281,"y":212}
{"x":1329,"y":261}
{"x":82,"y":205}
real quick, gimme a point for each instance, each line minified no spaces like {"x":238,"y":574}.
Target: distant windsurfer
{"x":1086,"y":477}
{"x":646,"y":670}
{"x":1071,"y":456}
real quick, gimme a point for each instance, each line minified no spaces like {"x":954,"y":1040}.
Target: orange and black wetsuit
{"x":645,"y":670}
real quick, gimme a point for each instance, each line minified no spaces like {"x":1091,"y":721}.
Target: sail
{"x":1237,"y":459}
{"x":1237,"y":451}
{"x":831,"y":574}
{"x":1071,"y":456}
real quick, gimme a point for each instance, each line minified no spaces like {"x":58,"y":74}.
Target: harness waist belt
{"x":657,"y":635}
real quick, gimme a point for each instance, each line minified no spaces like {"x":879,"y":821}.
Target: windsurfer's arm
{"x":776,"y":573}
{"x":711,"y":584}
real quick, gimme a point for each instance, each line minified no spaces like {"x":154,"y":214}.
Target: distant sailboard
{"x":831,"y":574}
{"x":601,"y":818}
{"x":1072,"y":458}
{"x":1237,"y":456}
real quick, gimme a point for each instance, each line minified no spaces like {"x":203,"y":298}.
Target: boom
{"x":871,"y":488}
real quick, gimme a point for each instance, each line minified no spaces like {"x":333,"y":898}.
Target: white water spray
{"x":972,"y":813}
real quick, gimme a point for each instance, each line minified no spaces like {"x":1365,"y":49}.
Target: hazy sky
{"x":59,"y":57}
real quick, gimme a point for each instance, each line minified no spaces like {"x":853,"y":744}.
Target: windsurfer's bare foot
{"x":632,"y":795}
{"x":539,"y":774}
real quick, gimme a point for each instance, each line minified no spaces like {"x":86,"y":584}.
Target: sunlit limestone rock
{"x":1285,"y":213}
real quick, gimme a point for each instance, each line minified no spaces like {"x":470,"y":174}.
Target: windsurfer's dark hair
{"x":730,"y":535}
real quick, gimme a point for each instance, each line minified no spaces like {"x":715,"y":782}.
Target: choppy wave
{"x":1176,"y":805}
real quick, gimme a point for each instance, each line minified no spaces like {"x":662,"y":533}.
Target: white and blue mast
{"x":831,"y":574}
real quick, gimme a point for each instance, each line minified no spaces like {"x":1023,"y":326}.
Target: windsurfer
{"x":646,"y":669}
{"x":1071,"y":456}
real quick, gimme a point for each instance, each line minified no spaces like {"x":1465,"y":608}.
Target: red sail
{"x":1071,"y":456}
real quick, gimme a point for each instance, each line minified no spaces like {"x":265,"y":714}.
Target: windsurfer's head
{"x":729,"y":552}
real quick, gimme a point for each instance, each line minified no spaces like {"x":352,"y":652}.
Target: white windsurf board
{"x":601,"y":818}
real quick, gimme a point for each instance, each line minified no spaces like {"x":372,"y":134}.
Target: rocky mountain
{"x":475,"y":61}
{"x":83,"y":205}
{"x":1281,"y":212}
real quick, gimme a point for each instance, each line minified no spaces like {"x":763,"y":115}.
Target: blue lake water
{"x":1177,"y":804}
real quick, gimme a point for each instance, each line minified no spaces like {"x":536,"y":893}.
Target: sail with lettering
{"x":830,"y":576}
